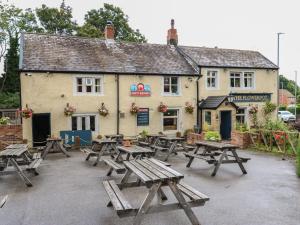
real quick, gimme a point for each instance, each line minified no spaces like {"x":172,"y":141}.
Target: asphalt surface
{"x":69,"y":191}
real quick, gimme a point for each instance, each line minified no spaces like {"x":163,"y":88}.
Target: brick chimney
{"x":109,"y":31}
{"x":172,"y":38}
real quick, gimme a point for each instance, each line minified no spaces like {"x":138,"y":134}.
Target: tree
{"x":96,"y":20}
{"x":289,"y":85}
{"x":56,"y":20}
{"x":12,"y":22}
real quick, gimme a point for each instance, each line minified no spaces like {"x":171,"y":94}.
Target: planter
{"x":193,"y":137}
{"x":241,"y":139}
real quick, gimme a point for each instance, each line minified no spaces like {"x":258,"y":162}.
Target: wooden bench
{"x":143,"y":144}
{"x":67,"y":146}
{"x":119,"y":168}
{"x":89,"y":153}
{"x":117,"y":199}
{"x":192,"y":193}
{"x":162,"y":162}
{"x":35,"y":164}
{"x":198,"y":156}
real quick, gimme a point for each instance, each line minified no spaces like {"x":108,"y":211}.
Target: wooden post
{"x":77,"y":143}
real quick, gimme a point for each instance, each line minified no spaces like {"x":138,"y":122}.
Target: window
{"x":211,"y":81}
{"x":171,"y":85}
{"x":207,"y":117}
{"x":242,"y":80}
{"x":248,"y":80}
{"x":84,"y":122}
{"x":241,"y":115}
{"x":89,"y":85}
{"x":235,"y":80}
{"x":170,"y":120}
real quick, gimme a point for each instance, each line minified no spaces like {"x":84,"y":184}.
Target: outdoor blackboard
{"x":143,"y":117}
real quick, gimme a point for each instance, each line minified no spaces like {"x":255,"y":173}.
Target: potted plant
{"x":134,"y":109}
{"x":26,"y":113}
{"x":4,"y":120}
{"x":162,"y":107}
{"x":103,"y":111}
{"x":69,"y":110}
{"x":189,"y":108}
{"x":212,"y":136}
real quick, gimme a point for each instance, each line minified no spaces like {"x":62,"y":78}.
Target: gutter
{"x":198,"y":118}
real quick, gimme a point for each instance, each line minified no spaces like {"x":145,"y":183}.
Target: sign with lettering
{"x":250,"y":97}
{"x":143,"y":117}
{"x":140,"y":90}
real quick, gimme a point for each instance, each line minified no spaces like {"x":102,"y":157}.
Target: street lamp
{"x":278,"y":85}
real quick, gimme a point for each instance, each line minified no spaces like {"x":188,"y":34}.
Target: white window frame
{"x":87,"y":116}
{"x":179,"y":116}
{"x":84,"y":93}
{"x":245,"y":114}
{"x":216,"y":79}
{"x":169,"y":93}
{"x":242,"y":80}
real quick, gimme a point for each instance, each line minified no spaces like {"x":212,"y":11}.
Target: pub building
{"x":74,"y":84}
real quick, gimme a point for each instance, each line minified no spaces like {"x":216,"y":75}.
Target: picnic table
{"x":117,"y":137}
{"x":154,"y":175}
{"x":133,"y":151}
{"x":99,"y":148}
{"x":170,"y":145}
{"x":54,"y":145}
{"x":211,"y":150}
{"x":17,"y":159}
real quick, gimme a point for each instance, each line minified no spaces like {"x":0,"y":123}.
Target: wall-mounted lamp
{"x":28,"y":74}
{"x":62,"y":95}
{"x":190,"y":79}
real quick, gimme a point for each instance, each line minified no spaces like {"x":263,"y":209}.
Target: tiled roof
{"x":217,"y":57}
{"x":42,"y":52}
{"x":213,"y":102}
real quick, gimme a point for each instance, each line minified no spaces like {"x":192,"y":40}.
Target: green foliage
{"x":268,"y":109}
{"x":276,"y":125}
{"x":4,"y":120}
{"x":10,"y":82}
{"x":9,"y":100}
{"x":96,"y":20}
{"x":212,"y":136}
{"x":292,"y":109}
{"x":241,"y":127}
{"x":56,"y":20}
{"x":144,"y":134}
{"x":282,"y":108}
{"x":289,"y":85}
{"x":88,"y":30}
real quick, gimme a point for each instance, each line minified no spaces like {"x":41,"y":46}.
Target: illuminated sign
{"x":140,"y":90}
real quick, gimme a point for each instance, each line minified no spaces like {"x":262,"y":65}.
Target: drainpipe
{"x":199,"y":119}
{"x":118,"y":104}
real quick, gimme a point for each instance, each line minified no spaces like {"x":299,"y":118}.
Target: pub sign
{"x":140,"y":90}
{"x":250,"y":97}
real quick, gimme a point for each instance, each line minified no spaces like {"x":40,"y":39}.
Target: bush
{"x":212,"y":136}
{"x":9,"y":100}
{"x":292,"y":109}
{"x":242,"y":127}
{"x":276,"y":125}
{"x":4,"y":120}
{"x":282,"y":108}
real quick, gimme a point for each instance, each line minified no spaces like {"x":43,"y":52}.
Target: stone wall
{"x":10,"y":134}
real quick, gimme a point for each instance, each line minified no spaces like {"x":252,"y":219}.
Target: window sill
{"x":171,"y":95}
{"x":88,"y":94}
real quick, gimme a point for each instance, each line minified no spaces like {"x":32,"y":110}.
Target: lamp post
{"x":278,"y":85}
{"x":296,"y":90}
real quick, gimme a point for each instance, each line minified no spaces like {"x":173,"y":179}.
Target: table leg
{"x":61,"y":147}
{"x":192,"y":158}
{"x":239,"y":161}
{"x":185,"y":206}
{"x":170,"y":151}
{"x":49,"y":145}
{"x":146,"y":204}
{"x":100,"y":153}
{"x":20,"y":172}
{"x":217,"y":166}
{"x":161,"y":195}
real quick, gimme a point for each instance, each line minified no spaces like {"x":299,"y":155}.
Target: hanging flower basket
{"x":69,"y":110}
{"x":134,"y":109}
{"x":189,"y":108}
{"x":162,"y":108}
{"x":26,"y":113}
{"x":103,"y":111}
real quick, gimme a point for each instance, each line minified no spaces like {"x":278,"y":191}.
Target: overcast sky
{"x":237,"y":24}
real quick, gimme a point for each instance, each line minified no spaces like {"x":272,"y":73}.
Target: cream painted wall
{"x":265,"y":81}
{"x":42,"y":92}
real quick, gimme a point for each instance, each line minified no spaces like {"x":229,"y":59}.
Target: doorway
{"x":225,"y":125}
{"x":41,"y":128}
